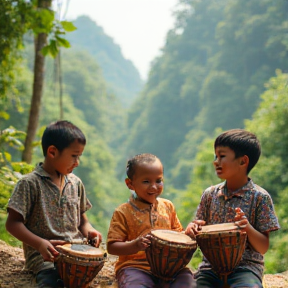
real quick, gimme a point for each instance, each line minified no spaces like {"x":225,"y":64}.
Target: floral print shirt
{"x":217,"y":206}
{"x":47,"y":212}
{"x":135,"y":218}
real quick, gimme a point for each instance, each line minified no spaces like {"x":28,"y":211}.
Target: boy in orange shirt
{"x":131,"y":221}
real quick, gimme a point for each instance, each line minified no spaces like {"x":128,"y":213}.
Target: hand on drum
{"x":47,"y":250}
{"x":194,"y":227}
{"x":143,"y":242}
{"x":94,"y":238}
{"x":240,"y":218}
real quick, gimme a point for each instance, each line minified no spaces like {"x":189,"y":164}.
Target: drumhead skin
{"x":219,"y":227}
{"x":79,"y":250}
{"x":172,"y":236}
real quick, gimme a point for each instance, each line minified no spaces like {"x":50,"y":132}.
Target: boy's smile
{"x":147,"y":181}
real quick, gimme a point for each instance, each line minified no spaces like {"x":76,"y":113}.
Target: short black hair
{"x":242,"y":142}
{"x":137,"y":160}
{"x":61,"y":134}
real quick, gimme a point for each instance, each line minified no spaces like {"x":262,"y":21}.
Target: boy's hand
{"x":47,"y":250}
{"x":240,"y":218}
{"x":94,"y":238}
{"x":142,"y":242}
{"x":194,"y":227}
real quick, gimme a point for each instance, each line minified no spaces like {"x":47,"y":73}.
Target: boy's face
{"x":147,"y":181}
{"x":69,"y":158}
{"x":226,"y":165}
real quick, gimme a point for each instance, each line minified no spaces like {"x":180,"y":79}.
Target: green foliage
{"x":13,"y":26}
{"x":56,"y":40}
{"x":18,"y":17}
{"x":270,"y":122}
{"x":10,"y":172}
{"x":121,"y":76}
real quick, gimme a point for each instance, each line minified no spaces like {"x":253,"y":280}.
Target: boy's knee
{"x":48,"y":278}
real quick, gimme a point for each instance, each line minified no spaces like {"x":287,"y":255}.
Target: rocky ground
{"x":12,"y":274}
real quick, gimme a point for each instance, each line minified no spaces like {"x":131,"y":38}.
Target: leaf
{"x":4,"y":115}
{"x":63,"y":42}
{"x":68,"y":26}
{"x":45,"y":50}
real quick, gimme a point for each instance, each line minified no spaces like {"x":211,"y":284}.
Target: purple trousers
{"x":138,"y":278}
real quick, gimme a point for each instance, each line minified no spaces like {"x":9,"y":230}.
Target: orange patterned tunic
{"x":135,"y":218}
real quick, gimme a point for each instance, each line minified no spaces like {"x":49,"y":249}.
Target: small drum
{"x":169,"y":252}
{"x":223,"y":246}
{"x":79,"y":264}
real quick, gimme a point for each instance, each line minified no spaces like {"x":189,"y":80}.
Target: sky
{"x":139,"y":27}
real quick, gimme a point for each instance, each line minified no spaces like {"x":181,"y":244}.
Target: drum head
{"x":80,"y":250}
{"x":172,"y":236}
{"x":219,"y":227}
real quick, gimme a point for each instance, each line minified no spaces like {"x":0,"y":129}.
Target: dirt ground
{"x":12,"y":274}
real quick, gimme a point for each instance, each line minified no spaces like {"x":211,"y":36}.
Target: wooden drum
{"x":223,"y":246}
{"x":169,"y":252}
{"x":78,"y":264}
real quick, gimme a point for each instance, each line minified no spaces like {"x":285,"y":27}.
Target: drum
{"x":169,"y":252}
{"x":79,"y":264}
{"x":223,"y":246}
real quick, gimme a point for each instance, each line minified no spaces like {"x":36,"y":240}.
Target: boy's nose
{"x":153,"y":185}
{"x":77,"y":161}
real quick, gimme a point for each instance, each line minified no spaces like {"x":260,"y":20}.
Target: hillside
{"x":120,"y":73}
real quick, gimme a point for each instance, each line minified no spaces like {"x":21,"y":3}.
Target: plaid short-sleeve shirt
{"x":217,"y":206}
{"x":46,"y":212}
{"x":135,"y":218}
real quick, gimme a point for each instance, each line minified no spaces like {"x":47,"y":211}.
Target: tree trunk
{"x":39,"y":61}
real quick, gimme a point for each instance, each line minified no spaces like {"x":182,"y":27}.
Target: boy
{"x":47,"y":207}
{"x":237,"y":200}
{"x":131,"y":222}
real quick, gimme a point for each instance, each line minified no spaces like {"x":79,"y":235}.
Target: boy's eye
{"x":76,"y":156}
{"x":159,"y":181}
{"x":220,"y":156}
{"x":145,"y":181}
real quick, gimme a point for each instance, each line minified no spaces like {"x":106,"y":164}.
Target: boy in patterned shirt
{"x":47,"y":207}
{"x":237,"y":200}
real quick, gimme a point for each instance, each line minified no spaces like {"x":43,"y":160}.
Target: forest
{"x":224,"y":65}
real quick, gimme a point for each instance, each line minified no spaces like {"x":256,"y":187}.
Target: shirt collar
{"x":223,"y":191}
{"x":139,"y":204}
{"x":42,"y":173}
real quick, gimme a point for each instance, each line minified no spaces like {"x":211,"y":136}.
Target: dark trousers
{"x":241,"y":278}
{"x":138,"y":278}
{"x":49,"y":278}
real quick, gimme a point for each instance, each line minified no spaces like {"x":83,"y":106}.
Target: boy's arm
{"x":129,"y":247}
{"x":88,"y":231}
{"x":15,"y":226}
{"x":259,"y":241}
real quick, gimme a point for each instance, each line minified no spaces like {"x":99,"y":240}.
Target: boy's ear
{"x":244,"y":160}
{"x":51,"y":151}
{"x":129,"y":184}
